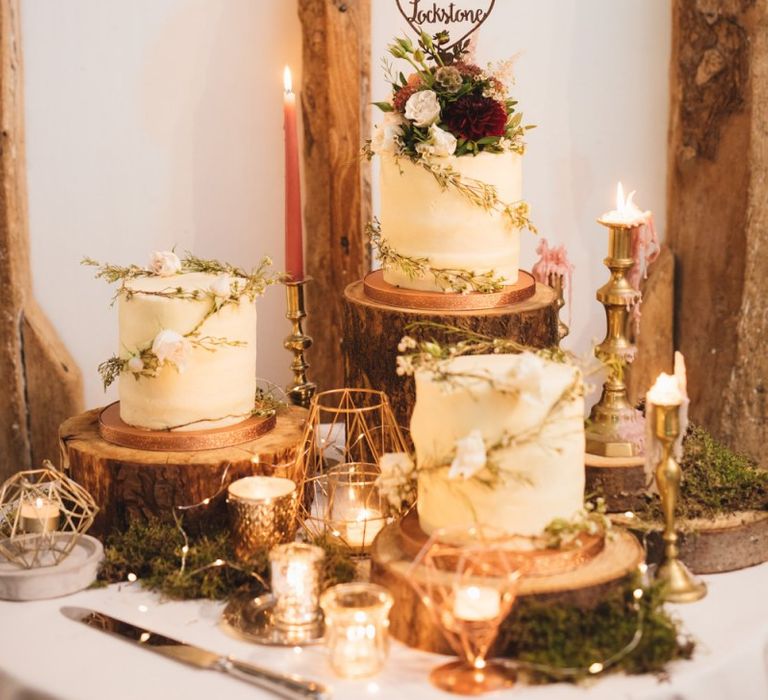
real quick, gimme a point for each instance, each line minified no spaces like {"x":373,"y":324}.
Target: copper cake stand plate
{"x":113,"y":429}
{"x":377,"y":289}
{"x":535,"y":557}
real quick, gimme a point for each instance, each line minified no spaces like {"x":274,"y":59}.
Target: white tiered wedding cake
{"x":187,"y":358}
{"x":499,"y":442}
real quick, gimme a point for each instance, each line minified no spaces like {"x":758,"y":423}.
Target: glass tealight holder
{"x":296,"y":572}
{"x":356,"y":511}
{"x":357,"y":628}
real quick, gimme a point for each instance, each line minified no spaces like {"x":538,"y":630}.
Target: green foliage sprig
{"x":454,"y":280}
{"x":152,"y":551}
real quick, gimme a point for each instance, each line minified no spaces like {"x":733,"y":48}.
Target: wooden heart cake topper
{"x":459,"y":17}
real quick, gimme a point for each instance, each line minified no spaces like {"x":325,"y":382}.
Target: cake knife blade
{"x":287,"y":686}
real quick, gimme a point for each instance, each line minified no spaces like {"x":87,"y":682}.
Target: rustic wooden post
{"x":41,"y":385}
{"x":336,"y":118}
{"x":718,"y":212}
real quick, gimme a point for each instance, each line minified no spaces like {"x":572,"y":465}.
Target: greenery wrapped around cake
{"x":450,"y":142}
{"x":187,"y":358}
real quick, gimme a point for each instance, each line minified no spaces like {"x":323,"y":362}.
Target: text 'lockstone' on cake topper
{"x":460,"y":17}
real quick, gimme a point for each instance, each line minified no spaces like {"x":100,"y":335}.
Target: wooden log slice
{"x":585,"y":586}
{"x":372,"y":331}
{"x":129,"y":483}
{"x":714,"y":546}
{"x":619,"y":480}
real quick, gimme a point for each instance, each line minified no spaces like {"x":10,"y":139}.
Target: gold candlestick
{"x":301,"y":391}
{"x":680,"y":584}
{"x":616,"y":351}
{"x":557,"y":282}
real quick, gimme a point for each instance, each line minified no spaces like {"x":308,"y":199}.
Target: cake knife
{"x":286,"y":686}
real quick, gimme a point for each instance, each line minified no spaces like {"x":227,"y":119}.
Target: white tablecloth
{"x":43,"y":654}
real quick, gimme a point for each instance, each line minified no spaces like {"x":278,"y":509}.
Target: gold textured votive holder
{"x":263,"y":513}
{"x":357,"y":628}
{"x":296,"y":573}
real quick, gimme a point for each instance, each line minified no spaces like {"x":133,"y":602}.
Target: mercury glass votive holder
{"x":263,"y":512}
{"x":357,"y":628}
{"x":296,"y":572}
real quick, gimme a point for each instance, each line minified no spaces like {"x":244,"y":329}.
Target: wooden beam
{"x":335,"y":100}
{"x":718,"y":212}
{"x":40,"y":382}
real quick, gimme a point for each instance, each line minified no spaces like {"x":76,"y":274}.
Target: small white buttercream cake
{"x":419,"y":219}
{"x":216,"y":387}
{"x":541,"y":475}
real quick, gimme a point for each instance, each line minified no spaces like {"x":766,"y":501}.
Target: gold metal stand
{"x":604,"y":436}
{"x":558,"y":283}
{"x":679,"y":583}
{"x":301,"y":390}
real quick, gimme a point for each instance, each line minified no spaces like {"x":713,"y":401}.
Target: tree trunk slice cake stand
{"x":620,"y":481}
{"x":129,"y":483}
{"x":373,"y":329}
{"x":584,"y":583}
{"x":727,"y":543}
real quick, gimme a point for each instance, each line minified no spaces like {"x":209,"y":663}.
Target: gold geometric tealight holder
{"x":612,"y":416}
{"x":43,"y":514}
{"x":680,"y":585}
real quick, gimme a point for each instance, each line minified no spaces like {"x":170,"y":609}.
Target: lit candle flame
{"x":624,"y":206}
{"x":38,"y":503}
{"x":287,"y":80}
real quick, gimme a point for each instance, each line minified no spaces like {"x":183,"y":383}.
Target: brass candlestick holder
{"x":301,"y":390}
{"x":557,"y":282}
{"x":604,"y":435}
{"x":680,"y":584}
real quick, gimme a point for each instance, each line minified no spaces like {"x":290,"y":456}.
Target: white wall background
{"x":158,"y":122}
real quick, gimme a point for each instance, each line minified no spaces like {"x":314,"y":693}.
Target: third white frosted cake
{"x":499,"y":441}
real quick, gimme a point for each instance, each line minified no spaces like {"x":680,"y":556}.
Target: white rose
{"x":387,"y":134}
{"x":164,"y":263}
{"x":470,"y":456}
{"x":528,"y":377}
{"x":222,"y":286}
{"x":169,"y":346}
{"x":135,"y":364}
{"x":443,"y":142}
{"x":422,"y":108}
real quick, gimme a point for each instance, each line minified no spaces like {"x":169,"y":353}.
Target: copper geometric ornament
{"x":43,"y":513}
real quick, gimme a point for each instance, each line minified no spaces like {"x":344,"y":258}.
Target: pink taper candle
{"x":294,"y":254}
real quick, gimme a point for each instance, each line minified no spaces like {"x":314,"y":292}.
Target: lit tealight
{"x":595,"y":668}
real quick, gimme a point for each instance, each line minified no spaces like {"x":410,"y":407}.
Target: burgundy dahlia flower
{"x":474,"y":117}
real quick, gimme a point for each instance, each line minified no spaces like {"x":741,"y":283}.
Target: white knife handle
{"x":290,"y":687}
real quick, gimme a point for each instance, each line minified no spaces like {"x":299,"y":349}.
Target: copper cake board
{"x":539,"y":560}
{"x":377,"y":289}
{"x":113,"y":429}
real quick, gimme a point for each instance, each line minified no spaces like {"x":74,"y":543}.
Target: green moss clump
{"x":561,"y":642}
{"x":153,"y":552}
{"x":716,"y":481}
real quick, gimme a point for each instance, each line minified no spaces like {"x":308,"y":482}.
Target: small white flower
{"x":422,"y":108}
{"x":470,"y":456}
{"x":164,"y":263}
{"x":170,"y":346}
{"x":386,"y":136}
{"x":406,"y":343}
{"x":404,"y":366}
{"x":397,"y":475}
{"x":222,"y":286}
{"x":135,"y":364}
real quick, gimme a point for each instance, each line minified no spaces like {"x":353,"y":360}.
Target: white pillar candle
{"x":476,"y":603}
{"x":40,"y":515}
{"x":261,"y":488}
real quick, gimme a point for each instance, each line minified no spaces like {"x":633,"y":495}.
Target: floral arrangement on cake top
{"x":448,"y":106}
